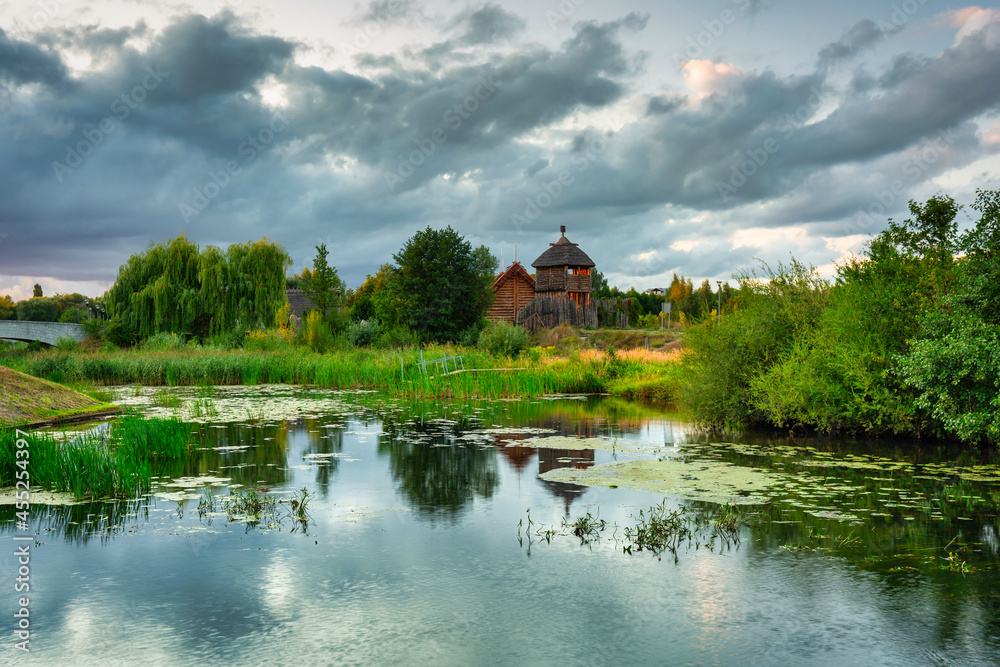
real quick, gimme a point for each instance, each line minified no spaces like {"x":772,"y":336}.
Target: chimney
{"x":562,"y":229}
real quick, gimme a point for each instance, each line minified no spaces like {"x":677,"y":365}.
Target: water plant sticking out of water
{"x":256,"y":507}
{"x":657,"y":530}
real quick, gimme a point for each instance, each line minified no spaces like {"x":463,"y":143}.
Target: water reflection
{"x":858,"y":559}
{"x":435,"y":472}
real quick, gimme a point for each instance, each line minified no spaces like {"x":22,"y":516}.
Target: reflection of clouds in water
{"x":278,"y":586}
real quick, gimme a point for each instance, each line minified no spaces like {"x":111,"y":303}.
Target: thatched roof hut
{"x":563,"y":254}
{"x":513,"y":289}
{"x":564,"y":269}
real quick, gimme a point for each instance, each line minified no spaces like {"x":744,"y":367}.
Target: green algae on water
{"x":709,"y":481}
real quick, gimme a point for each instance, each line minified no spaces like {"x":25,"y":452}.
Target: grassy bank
{"x":27,"y":400}
{"x":633,"y":374}
{"x":113,"y":464}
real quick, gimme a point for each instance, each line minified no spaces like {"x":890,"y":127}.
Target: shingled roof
{"x":563,"y":253}
{"x":298,"y":301}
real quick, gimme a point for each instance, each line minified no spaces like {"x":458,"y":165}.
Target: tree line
{"x":903,"y":340}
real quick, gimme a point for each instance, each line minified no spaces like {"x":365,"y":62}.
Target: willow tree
{"x":177,"y":287}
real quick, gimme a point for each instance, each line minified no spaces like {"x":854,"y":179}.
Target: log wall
{"x":511,"y":297}
{"x":546,"y":312}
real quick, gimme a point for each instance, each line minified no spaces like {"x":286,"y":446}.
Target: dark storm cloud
{"x":22,"y":62}
{"x":864,"y":35}
{"x":486,"y":25}
{"x":385,"y":11}
{"x":481,"y":134}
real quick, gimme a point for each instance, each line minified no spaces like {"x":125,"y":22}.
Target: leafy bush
{"x":71,"y":316}
{"x":316,"y":333}
{"x":772,"y":311}
{"x":397,"y":337}
{"x":121,"y":334}
{"x":362,"y":334}
{"x":269,"y":341}
{"x":67,"y":344}
{"x":163,"y":342}
{"x":502,"y":339}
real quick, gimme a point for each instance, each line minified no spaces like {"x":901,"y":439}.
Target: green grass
{"x":115,"y":464}
{"x":650,"y":377}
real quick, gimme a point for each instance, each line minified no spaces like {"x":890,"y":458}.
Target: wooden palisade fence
{"x":547,"y":312}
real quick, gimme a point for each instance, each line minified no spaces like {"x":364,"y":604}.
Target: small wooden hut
{"x":513,"y":289}
{"x":564,"y":270}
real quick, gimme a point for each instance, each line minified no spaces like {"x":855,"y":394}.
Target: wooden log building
{"x":564,"y":271}
{"x":513,"y":289}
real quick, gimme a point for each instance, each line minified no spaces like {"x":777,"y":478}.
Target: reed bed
{"x":114,"y":464}
{"x":394,"y":371}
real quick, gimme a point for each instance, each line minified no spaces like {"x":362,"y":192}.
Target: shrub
{"x":121,"y":334}
{"x":163,"y":342}
{"x":269,"y":341}
{"x":504,"y":340}
{"x":71,"y":316}
{"x":771,"y":314}
{"x":397,"y":337}
{"x":67,"y":344}
{"x":362,"y":334}
{"x":470,"y":337}
{"x":315,"y":333}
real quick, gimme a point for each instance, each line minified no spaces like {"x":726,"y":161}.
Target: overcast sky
{"x":688,"y":137}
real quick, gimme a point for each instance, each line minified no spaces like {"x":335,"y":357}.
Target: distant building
{"x":513,"y":289}
{"x":300,"y":303}
{"x":656,"y":291}
{"x":564,"y":270}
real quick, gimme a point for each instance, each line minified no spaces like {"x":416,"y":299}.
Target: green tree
{"x":599,"y":285}
{"x":177,"y":287}
{"x":7,"y":311}
{"x":38,"y":291}
{"x":38,"y":309}
{"x":362,"y":301}
{"x":320,"y":283}
{"x":954,"y":366}
{"x":440,"y":285}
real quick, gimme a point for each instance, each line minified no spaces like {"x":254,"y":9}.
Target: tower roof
{"x":563,"y":253}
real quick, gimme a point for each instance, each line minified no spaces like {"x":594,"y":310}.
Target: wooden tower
{"x":564,"y":270}
{"x":513,"y":289}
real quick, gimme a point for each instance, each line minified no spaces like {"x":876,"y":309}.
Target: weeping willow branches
{"x":177,"y":287}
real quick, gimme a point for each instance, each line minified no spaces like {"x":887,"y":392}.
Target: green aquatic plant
{"x":588,"y":527}
{"x":115,"y":462}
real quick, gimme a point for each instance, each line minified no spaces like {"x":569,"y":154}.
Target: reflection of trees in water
{"x":79,"y":524}
{"x":325,"y":437}
{"x":435,"y":472}
{"x":267,"y":444}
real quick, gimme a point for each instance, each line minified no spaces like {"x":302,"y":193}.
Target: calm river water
{"x":417,"y":549}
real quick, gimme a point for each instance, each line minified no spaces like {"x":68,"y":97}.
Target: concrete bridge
{"x":46,"y":332}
